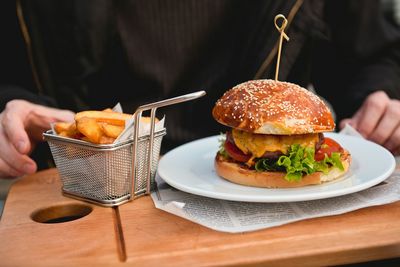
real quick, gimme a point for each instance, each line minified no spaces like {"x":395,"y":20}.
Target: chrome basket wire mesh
{"x":103,"y":173}
{"x":112,"y":174}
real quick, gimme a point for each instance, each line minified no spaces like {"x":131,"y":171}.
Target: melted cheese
{"x":258,"y":144}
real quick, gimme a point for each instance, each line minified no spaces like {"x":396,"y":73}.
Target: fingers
{"x":6,"y":171}
{"x":388,"y":124}
{"x":21,"y":123}
{"x":12,"y":162}
{"x":42,"y":116}
{"x":343,"y":123}
{"x":370,"y":113}
{"x":393,"y":143}
{"x":378,"y":120}
{"x":12,"y":122}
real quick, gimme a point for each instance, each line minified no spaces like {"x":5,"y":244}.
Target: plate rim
{"x":286,"y":198}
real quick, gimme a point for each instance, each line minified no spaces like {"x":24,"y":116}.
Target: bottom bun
{"x":238,"y":174}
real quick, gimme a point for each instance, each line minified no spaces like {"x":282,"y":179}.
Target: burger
{"x":276,"y":139}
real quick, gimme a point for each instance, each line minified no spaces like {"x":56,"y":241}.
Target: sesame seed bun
{"x":240,"y":174}
{"x":273,"y":107}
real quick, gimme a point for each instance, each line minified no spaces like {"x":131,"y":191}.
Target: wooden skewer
{"x":281,"y":29}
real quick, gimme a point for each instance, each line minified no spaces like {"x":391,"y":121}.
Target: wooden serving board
{"x":155,"y":238}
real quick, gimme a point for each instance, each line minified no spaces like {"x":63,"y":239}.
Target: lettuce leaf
{"x":298,"y":162}
{"x":333,"y":160}
{"x":221,"y":148}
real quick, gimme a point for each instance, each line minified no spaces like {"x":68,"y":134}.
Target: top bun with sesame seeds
{"x":277,"y":140}
{"x":273,"y":107}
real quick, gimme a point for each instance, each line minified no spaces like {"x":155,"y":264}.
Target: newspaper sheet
{"x":236,"y":217}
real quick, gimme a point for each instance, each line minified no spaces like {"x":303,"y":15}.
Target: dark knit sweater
{"x":93,"y":54}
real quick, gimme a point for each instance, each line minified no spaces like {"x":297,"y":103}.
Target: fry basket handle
{"x":138,"y":113}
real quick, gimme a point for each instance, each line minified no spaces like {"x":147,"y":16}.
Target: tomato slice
{"x":234,"y":152}
{"x":328,"y":147}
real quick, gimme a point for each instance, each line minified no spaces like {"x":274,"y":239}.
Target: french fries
{"x":113,"y":118}
{"x":89,"y":128}
{"x":111,"y":130}
{"x":98,"y":127}
{"x":67,"y":129}
{"x":63,"y":126}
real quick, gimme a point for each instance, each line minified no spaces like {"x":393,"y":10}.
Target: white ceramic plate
{"x":190,"y":168}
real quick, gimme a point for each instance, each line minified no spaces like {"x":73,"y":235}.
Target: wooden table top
{"x":156,"y":238}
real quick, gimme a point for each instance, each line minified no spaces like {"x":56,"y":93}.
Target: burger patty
{"x":273,"y":155}
{"x":267,"y":146}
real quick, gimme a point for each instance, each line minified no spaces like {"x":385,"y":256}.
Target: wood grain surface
{"x":155,"y":238}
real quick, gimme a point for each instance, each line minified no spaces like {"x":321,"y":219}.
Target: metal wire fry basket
{"x":102,"y":173}
{"x":112,"y":174}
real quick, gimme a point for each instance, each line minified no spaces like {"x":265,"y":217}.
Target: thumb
{"x":62,"y":115}
{"x":41,"y":118}
{"x":48,"y":114}
{"x":343,"y":123}
{"x":12,"y":122}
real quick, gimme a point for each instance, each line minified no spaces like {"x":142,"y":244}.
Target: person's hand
{"x":378,"y":120}
{"x":21,"y":126}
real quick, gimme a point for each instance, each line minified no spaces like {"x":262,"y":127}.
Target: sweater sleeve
{"x":363,"y":55}
{"x":367,"y":36}
{"x":16,"y":80}
{"x":10,"y":92}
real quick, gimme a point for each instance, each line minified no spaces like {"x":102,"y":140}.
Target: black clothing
{"x":93,"y":54}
